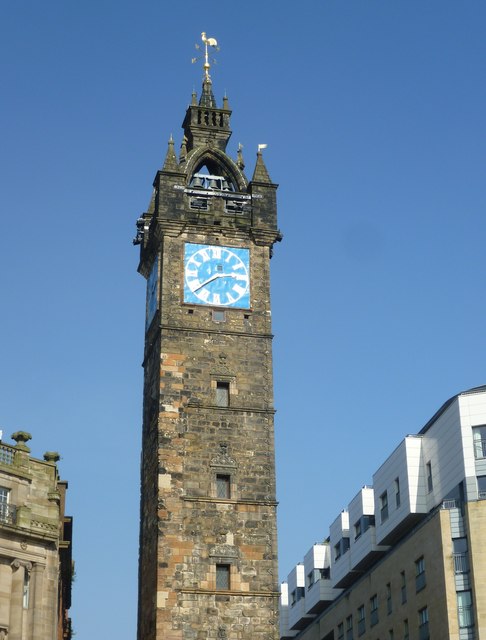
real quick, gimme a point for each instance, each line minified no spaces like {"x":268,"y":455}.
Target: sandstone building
{"x":407,"y":559}
{"x":35,"y":546}
{"x":208,"y":554}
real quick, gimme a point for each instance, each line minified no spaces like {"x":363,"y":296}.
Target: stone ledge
{"x":214,"y":592}
{"x":269,"y":503}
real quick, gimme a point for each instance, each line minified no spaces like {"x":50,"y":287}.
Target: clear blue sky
{"x":374,"y":116}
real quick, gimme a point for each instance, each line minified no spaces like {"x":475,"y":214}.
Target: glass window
{"x":4,"y":506}
{"x":420,"y":574}
{"x":388,"y":598}
{"x":464,"y":609}
{"x":361,"y":620}
{"x":482,"y":487}
{"x":384,"y":506}
{"x":397,"y":492}
{"x":430,"y":484}
{"x":340,"y":631}
{"x":403,"y":587}
{"x":424,"y":624}
{"x":219,"y":316}
{"x":222,"y":577}
{"x":223,"y":486}
{"x":479,"y":439}
{"x":374,"y":610}
{"x":25,"y":599}
{"x":406,"y":634}
{"x":459,"y":555}
{"x":222,"y":394}
{"x":349,"y":628}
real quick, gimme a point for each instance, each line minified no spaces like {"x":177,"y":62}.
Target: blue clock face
{"x":217,"y":276}
{"x":152,"y":293}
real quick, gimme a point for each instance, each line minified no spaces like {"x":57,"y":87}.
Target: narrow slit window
{"x":223,"y":486}
{"x":222,"y":577}
{"x":222,"y":394}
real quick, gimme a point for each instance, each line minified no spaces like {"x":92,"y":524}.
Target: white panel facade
{"x":442,"y":450}
{"x":401,"y":478}
{"x":472,"y":409}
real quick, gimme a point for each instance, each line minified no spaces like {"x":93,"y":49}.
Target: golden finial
{"x":208,"y":42}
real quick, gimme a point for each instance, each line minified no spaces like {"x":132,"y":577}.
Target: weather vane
{"x":208,"y":42}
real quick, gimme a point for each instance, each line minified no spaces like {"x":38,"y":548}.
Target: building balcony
{"x":461,"y":562}
{"x":299,"y":618}
{"x":8,"y":513}
{"x":320,"y":595}
{"x":364,"y":550}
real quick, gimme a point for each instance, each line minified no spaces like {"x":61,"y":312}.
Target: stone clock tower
{"x":208,"y":544}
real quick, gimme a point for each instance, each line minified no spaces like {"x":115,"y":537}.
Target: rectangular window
{"x":317,"y":574}
{"x":459,"y":555}
{"x":299,"y":593}
{"x":388,"y":599}
{"x":430,"y":484}
{"x":397,"y":492}
{"x":361,"y":620}
{"x":340,"y":631}
{"x":424,"y":624}
{"x":403,"y":587}
{"x":310,"y":579}
{"x":222,"y":577}
{"x":406,"y":634}
{"x":340,"y":548}
{"x":219,"y":316}
{"x":374,"y":610}
{"x":390,"y":634}
{"x":384,"y":506}
{"x":223,"y":486}
{"x":25,"y":599}
{"x":479,"y":439}
{"x":481,"y":487}
{"x":4,"y":506}
{"x":337,"y":551}
{"x":357,"y":529}
{"x":349,"y":628}
{"x":222,"y":394}
{"x":420,"y":574}
{"x":464,"y":609}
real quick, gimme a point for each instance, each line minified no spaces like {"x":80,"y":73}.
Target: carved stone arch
{"x":218,"y":163}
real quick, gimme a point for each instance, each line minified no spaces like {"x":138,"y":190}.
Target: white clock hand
{"x":214,"y":277}
{"x":203,"y":284}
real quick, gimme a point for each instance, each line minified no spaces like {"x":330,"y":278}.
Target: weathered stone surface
{"x":186,"y":529}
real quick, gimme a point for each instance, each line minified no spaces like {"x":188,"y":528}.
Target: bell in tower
{"x":208,"y":545}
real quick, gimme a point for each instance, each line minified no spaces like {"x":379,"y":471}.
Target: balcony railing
{"x":461,"y":562}
{"x":449,"y":504}
{"x":7,"y":454}
{"x":8,"y":513}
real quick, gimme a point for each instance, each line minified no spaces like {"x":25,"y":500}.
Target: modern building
{"x":208,"y":548}
{"x":407,"y":559}
{"x":35,"y":546}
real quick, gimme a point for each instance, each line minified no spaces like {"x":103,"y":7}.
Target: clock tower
{"x":208,"y":543}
